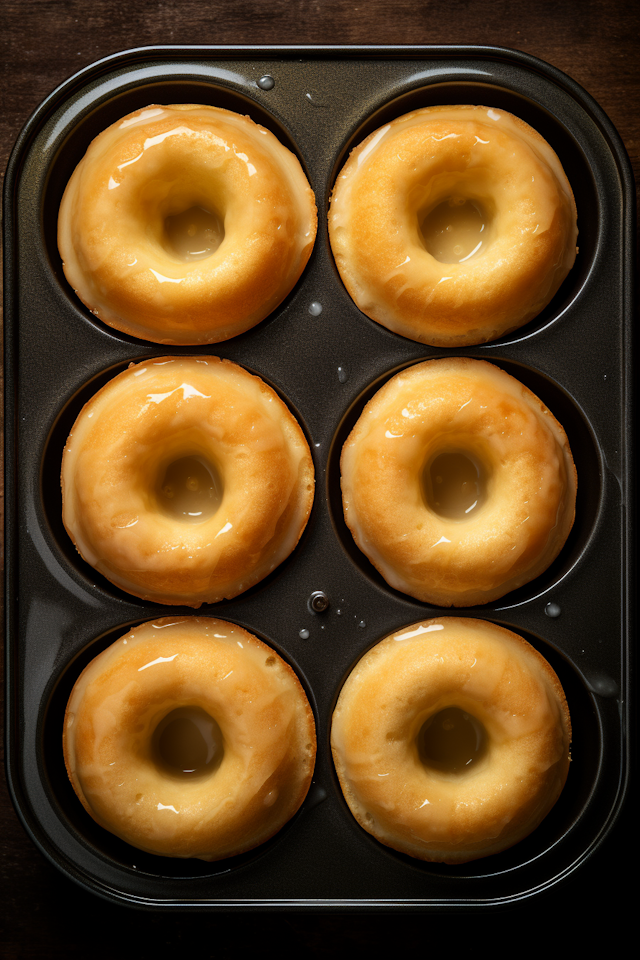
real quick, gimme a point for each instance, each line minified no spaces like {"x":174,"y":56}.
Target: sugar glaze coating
{"x":408,"y":678}
{"x":268,"y":739}
{"x":471,"y":406}
{"x":157,"y":164}
{"x":404,"y":170}
{"x":158,"y":413}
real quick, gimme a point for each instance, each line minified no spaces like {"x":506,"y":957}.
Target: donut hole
{"x":187,"y":743}
{"x":454,"y":483}
{"x":455,"y":229}
{"x":189,"y":489}
{"x":186,"y":222}
{"x":451,"y":741}
{"x":194,"y":233}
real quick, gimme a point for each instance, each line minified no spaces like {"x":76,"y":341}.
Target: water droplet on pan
{"x":603,"y":685}
{"x":315,"y":308}
{"x":315,"y":796}
{"x":553,"y":610}
{"x":304,"y":634}
{"x":266,"y":82}
{"x":343,"y":374}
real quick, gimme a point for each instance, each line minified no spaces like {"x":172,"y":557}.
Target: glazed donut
{"x":458,"y":483}
{"x":189,"y":737}
{"x":453,"y":225}
{"x":186,"y":480}
{"x":451,"y":740}
{"x":185,"y":224}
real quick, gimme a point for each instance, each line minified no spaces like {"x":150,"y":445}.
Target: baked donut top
{"x":479,"y":172}
{"x":143,"y":772}
{"x":185,"y":224}
{"x":449,"y":532}
{"x":401,"y":777}
{"x":186,"y":480}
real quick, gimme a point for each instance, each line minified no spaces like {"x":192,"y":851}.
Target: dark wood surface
{"x":43,"y":42}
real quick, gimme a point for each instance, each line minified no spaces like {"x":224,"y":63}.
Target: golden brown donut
{"x":189,"y":737}
{"x":458,"y":483}
{"x":186,"y":480}
{"x":453,"y":225}
{"x":185,"y":224}
{"x":451,"y":739}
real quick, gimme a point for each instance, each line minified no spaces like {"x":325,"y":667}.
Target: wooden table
{"x":43,"y":42}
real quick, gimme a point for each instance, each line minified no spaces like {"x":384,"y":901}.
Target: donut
{"x":189,"y":737}
{"x":185,"y":224}
{"x":458,"y":483}
{"x":453,"y":225}
{"x":451,"y":740}
{"x":186,"y":480}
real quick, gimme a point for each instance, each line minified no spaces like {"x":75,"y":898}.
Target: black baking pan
{"x":326,"y":359}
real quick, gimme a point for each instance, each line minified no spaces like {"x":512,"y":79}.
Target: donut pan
{"x":326,"y":359}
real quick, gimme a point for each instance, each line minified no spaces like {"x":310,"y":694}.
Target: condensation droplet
{"x":315,"y":308}
{"x":343,"y":374}
{"x":304,"y":634}
{"x":266,"y":82}
{"x":603,"y":685}
{"x":313,"y":99}
{"x":315,"y":796}
{"x":553,"y":610}
{"x":362,"y":623}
